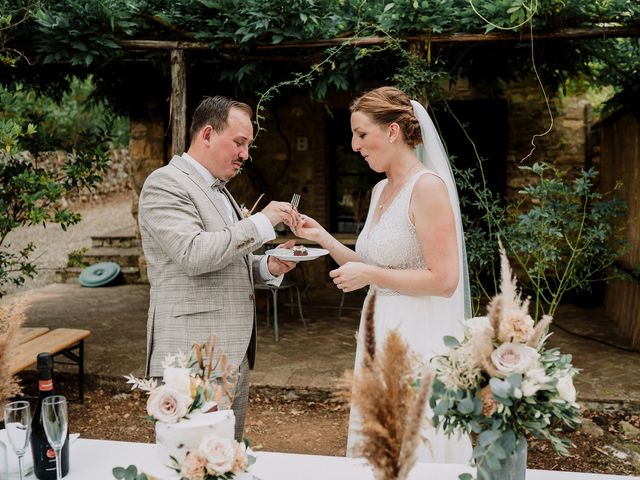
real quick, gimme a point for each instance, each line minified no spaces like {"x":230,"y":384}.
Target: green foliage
{"x":563,"y":234}
{"x":64,"y":124}
{"x":32,"y":195}
{"x":74,"y":258}
{"x":82,"y":32}
{"x":86,"y":35}
{"x":129,"y":473}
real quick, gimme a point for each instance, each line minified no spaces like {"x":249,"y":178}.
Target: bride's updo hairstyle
{"x":387,"y":105}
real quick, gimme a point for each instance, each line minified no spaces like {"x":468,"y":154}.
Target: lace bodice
{"x":392,"y":242}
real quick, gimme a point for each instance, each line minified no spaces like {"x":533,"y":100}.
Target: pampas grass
{"x":12,"y":315}
{"x":390,"y":407}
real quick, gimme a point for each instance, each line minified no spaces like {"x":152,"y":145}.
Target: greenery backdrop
{"x":251,"y":47}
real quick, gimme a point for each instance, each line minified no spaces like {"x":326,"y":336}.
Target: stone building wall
{"x":528,"y":120}
{"x":290,"y":156}
{"x":117,"y":178}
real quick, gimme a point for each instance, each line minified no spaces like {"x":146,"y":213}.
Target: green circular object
{"x":99,"y":274}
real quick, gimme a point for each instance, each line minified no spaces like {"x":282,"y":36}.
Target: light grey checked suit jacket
{"x":200,"y":267}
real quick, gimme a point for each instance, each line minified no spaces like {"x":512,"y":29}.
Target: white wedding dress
{"x":422,"y":321}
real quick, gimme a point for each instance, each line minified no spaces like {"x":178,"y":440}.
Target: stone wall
{"x":529,"y":119}
{"x":290,"y":156}
{"x":116,"y":179}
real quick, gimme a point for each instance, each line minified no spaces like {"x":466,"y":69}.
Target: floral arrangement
{"x":190,"y":386}
{"x":245,"y":212}
{"x":216,"y":458}
{"x":501,"y":383}
{"x":390,"y":402}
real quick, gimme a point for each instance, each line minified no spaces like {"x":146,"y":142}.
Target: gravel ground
{"x":53,"y":245}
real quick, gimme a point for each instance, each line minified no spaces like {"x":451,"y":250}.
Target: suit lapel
{"x":233,"y":202}
{"x":184,"y":166}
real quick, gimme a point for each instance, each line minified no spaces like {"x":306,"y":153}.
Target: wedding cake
{"x":177,"y":439}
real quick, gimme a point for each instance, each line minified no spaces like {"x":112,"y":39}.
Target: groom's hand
{"x":279,"y":267}
{"x":281,"y":212}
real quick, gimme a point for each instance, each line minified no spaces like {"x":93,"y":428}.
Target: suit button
{"x":251,"y":297}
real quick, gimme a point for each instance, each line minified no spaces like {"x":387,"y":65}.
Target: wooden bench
{"x":59,"y":341}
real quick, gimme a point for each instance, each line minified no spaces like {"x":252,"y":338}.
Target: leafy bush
{"x":64,"y":124}
{"x":562,"y":233}
{"x":31,"y":194}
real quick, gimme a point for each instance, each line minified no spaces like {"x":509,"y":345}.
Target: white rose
{"x":220,"y":454}
{"x":511,"y":358}
{"x":167,"y":405}
{"x":566,"y":390}
{"x":478,"y":326}
{"x":178,"y":378}
{"x":534,"y":380}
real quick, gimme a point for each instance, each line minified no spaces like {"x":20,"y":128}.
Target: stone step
{"x":122,"y":238}
{"x":125,"y":257}
{"x":128,"y":275}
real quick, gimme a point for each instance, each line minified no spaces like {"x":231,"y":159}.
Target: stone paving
{"x":312,"y":359}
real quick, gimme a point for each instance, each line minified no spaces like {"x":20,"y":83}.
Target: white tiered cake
{"x":177,"y":439}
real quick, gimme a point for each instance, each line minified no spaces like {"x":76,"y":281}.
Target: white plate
{"x":286,"y":254}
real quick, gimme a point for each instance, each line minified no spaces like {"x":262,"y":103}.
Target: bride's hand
{"x":351,"y":276}
{"x":308,"y":228}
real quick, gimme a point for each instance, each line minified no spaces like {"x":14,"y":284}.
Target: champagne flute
{"x":55,"y":420}
{"x":17,"y":422}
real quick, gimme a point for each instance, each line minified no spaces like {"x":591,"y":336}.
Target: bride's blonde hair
{"x":387,"y":105}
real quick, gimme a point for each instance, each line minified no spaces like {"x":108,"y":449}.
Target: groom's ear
{"x":206,"y":133}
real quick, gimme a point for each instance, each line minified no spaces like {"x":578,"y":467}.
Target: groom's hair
{"x":387,"y":105}
{"x":214,"y":111}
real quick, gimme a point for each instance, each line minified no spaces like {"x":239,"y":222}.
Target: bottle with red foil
{"x":44,"y":460}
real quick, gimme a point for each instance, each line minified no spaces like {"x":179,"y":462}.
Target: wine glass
{"x":55,"y":420}
{"x":17,"y":422}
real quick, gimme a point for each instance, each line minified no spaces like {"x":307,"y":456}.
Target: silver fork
{"x":295,"y":200}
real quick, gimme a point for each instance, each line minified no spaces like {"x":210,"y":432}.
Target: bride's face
{"x":370,"y":140}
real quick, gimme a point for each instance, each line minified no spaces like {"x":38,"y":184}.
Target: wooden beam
{"x":448,"y":39}
{"x":178,"y":102}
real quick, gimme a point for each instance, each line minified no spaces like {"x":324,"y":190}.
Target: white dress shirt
{"x":260,"y":220}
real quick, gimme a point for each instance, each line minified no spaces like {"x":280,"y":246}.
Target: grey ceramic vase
{"x":514,"y":467}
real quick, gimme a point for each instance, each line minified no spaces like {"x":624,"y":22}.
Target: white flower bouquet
{"x":501,"y":383}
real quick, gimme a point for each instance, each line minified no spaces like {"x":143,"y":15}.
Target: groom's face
{"x":229,"y":149}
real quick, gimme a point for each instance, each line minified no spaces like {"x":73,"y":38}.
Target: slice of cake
{"x":300,"y":251}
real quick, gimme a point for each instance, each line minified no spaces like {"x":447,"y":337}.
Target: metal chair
{"x":285,"y":285}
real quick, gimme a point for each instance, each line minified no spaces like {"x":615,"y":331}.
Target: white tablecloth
{"x":94,"y":459}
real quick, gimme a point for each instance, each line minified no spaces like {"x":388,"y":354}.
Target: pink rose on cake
{"x":168,"y":405}
{"x":215,"y":458}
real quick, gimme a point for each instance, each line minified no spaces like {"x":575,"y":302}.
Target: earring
{"x":390,"y":141}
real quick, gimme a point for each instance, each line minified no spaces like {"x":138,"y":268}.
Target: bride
{"x":411,"y":247}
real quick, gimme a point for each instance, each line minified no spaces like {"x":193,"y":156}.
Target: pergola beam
{"x":593,"y":33}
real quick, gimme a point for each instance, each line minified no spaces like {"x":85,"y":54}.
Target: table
{"x":94,"y":459}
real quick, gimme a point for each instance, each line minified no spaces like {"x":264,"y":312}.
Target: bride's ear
{"x":394,"y":132}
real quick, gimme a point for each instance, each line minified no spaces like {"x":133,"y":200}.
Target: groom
{"x":198,"y":246}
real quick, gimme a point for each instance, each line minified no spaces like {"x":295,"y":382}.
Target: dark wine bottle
{"x":44,"y":459}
